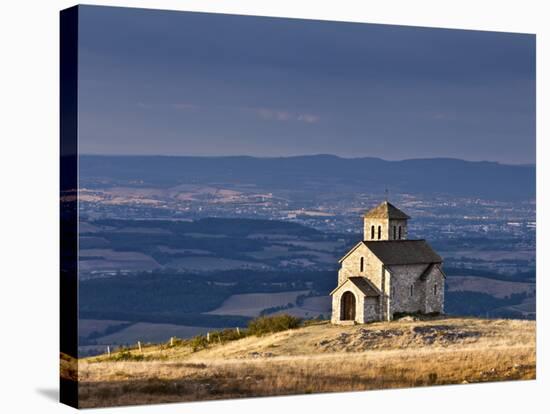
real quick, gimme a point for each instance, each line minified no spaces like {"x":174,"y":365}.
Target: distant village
{"x":442,"y":218}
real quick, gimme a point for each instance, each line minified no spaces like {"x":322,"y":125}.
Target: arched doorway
{"x":347,"y":311}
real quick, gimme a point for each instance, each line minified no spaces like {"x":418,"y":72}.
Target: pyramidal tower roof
{"x":386,"y":210}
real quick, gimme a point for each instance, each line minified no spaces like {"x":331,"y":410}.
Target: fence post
{"x":171,"y":341}
{"x":207,"y":336}
{"x":238,"y":331}
{"x":108,"y":351}
{"x":139,"y":346}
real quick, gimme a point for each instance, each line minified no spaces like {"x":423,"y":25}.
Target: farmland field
{"x":251,"y":304}
{"x":89,"y":326}
{"x":327,"y":246}
{"x":318,"y":303}
{"x":272,"y":252}
{"x":496,"y":288}
{"x":312,"y":307}
{"x":527,"y":308}
{"x":107,"y":259}
{"x":203,"y":263}
{"x":152,"y":332}
{"x":492,"y":255}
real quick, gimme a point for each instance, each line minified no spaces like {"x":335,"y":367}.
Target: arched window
{"x":394,"y":232}
{"x":379,"y":232}
{"x":362,"y":264}
{"x":435,"y":289}
{"x":372,"y":232}
{"x":400,"y":233}
{"x":412,"y":290}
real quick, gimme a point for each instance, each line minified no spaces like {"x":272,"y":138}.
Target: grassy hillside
{"x":315,"y":358}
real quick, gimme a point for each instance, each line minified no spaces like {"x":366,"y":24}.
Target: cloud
{"x":181,"y":106}
{"x":269,"y":114}
{"x":442,"y":115}
{"x":184,"y":106}
{"x":308,"y":118}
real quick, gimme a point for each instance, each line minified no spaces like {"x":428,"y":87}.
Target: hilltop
{"x":317,"y":358}
{"x":314,"y":173}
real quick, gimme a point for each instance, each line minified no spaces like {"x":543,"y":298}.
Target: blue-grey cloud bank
{"x":179,"y":83}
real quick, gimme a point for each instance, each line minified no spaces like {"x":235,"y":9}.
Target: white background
{"x":29,"y":203}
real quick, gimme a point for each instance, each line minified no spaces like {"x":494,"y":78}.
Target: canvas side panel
{"x":69,"y":206}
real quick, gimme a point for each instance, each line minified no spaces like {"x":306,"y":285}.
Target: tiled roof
{"x":363,"y":284}
{"x":386,"y":210}
{"x":428,"y":270}
{"x":403,"y":252}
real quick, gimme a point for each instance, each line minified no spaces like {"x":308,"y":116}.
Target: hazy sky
{"x":158,"y":82}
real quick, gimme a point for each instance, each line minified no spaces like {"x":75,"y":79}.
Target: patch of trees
{"x":218,"y":226}
{"x":187,"y":319}
{"x":94,"y":335}
{"x":475,"y":243}
{"x":274,"y":309}
{"x":154,"y":293}
{"x":182,"y":298}
{"x":466,"y":303}
{"x":526,"y":276}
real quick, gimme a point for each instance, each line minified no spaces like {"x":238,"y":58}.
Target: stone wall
{"x":423,"y":298}
{"x":366,"y":310}
{"x":434,"y":299}
{"x":368,"y":222}
{"x":385,"y":300}
{"x":402,"y":279}
{"x":337,"y":303}
{"x":397,"y":224}
{"x":394,"y":282}
{"x":372,"y":309}
{"x":386,"y":229}
{"x":351,"y":266}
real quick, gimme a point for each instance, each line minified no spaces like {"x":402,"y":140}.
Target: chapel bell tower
{"x":385,"y":222}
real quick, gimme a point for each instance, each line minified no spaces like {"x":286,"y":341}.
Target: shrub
{"x":198,"y":342}
{"x":174,"y":342}
{"x":229,"y":335}
{"x":316,"y":321}
{"x":275,"y":309}
{"x":270,"y":324}
{"x":126,"y":355}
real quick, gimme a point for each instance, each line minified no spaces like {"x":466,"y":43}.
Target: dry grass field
{"x":317,"y":358}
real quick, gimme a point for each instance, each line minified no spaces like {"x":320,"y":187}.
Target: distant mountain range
{"x":318,"y":173}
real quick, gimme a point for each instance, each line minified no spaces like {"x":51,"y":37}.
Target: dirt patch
{"x":362,"y":339}
{"x":444,"y":334}
{"x":365,"y":339}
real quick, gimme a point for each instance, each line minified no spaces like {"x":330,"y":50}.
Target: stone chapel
{"x":386,"y":273}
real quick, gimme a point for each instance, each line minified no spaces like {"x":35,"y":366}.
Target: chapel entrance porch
{"x":347,"y":312}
